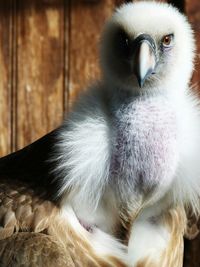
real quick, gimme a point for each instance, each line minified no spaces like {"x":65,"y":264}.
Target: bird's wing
{"x":41,"y":250}
{"x":33,"y":232}
{"x":33,"y":165}
{"x":21,"y":209}
{"x":33,"y":249}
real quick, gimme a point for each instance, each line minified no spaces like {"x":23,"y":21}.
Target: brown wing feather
{"x":33,"y":165}
{"x":22,"y":210}
{"x":60,"y":247}
{"x":34,"y":250}
{"x":33,"y":233}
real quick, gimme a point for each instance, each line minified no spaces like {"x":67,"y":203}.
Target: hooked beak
{"x":144,"y":58}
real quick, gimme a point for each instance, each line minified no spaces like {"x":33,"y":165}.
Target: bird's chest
{"x":144,"y":148}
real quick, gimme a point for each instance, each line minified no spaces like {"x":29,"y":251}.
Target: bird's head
{"x":146,"y":45}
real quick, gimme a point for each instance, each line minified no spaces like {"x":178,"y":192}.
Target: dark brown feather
{"x":33,"y":165}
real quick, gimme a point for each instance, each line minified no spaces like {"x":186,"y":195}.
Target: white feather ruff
{"x":84,"y":144}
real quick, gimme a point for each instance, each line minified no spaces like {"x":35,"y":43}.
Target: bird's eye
{"x":167,"y":40}
{"x":122,"y":43}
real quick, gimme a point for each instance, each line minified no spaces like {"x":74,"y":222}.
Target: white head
{"x":147,"y":45}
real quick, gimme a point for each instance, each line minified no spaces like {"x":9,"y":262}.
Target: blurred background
{"x":48,"y":54}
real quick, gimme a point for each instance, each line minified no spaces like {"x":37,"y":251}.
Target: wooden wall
{"x":48,"y":54}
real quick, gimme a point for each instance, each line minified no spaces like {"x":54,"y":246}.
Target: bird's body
{"x":110,"y":186}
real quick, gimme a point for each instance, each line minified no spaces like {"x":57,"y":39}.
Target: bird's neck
{"x":169,"y":89}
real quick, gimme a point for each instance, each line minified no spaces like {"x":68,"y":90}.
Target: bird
{"x":113,"y":184}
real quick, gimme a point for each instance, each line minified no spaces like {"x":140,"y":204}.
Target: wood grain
{"x":86,"y":23}
{"x":192,"y":9}
{"x":40,"y":68}
{"x":5,"y":75}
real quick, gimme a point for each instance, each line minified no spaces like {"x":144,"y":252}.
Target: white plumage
{"x":127,"y":154}
{"x":138,"y":144}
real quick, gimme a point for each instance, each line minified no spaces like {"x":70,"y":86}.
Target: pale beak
{"x":144,"y":58}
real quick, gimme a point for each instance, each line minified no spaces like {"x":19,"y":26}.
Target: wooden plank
{"x":192,"y":9}
{"x":40,"y":68}
{"x":5,"y":75}
{"x":86,"y":22}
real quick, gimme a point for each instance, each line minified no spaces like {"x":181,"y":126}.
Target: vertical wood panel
{"x":86,"y":22}
{"x":66,"y":55}
{"x":192,"y":9}
{"x":5,"y":75}
{"x":40,"y":68}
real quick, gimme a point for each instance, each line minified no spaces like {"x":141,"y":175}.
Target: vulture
{"x":113,"y":185}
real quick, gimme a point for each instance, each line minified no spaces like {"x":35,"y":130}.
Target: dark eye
{"x":122,"y":43}
{"x":167,"y":40}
